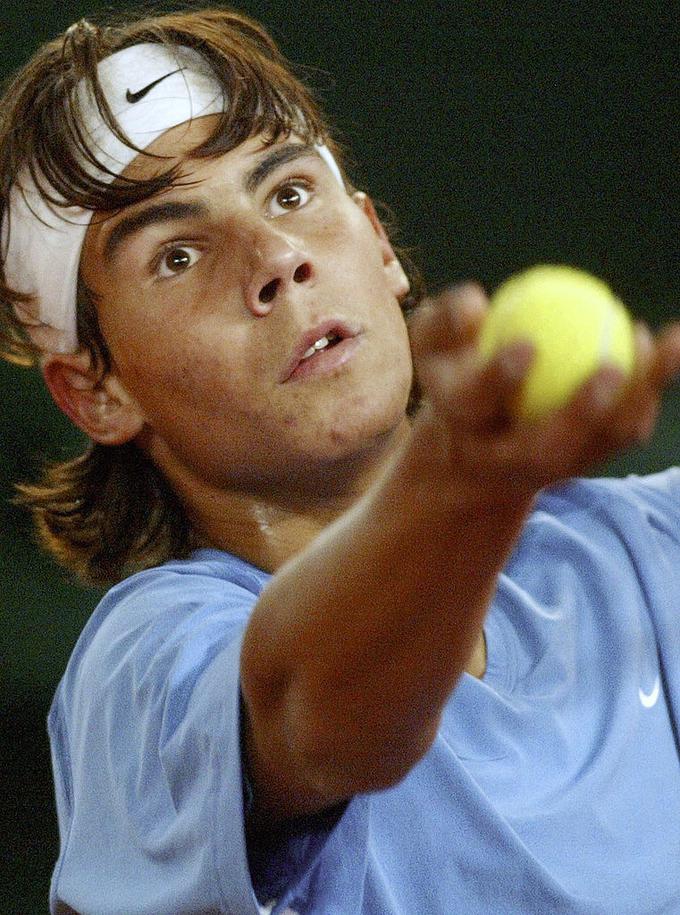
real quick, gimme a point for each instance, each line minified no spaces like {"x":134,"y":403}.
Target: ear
{"x":101,"y":407}
{"x":395,"y":273}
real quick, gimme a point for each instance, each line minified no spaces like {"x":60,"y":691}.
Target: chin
{"x":365,"y":424}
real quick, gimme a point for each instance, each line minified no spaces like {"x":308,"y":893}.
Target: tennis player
{"x":365,"y":650}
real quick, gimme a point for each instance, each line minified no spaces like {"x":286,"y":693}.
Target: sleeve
{"x":201,"y":760}
{"x":655,"y":542}
{"x":205,"y":768}
{"x":159,"y":820}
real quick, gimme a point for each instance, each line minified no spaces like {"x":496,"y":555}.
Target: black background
{"x":500,"y":135}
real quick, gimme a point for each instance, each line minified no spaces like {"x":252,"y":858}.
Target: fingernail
{"x":644,"y":343}
{"x":643,"y":333}
{"x":467,"y":301}
{"x":605,"y":389}
{"x":646,"y":428}
{"x":516,"y":360}
{"x":465,"y":287}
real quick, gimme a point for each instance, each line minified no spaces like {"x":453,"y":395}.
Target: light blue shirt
{"x":553,"y":785}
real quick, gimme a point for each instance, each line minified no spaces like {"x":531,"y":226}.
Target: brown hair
{"x":109,"y":511}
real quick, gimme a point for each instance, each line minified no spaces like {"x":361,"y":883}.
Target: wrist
{"x":455,"y":477}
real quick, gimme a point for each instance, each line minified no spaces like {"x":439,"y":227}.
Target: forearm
{"x":356,"y":644}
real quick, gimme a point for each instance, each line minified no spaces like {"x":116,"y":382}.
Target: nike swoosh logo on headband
{"x":134,"y":97}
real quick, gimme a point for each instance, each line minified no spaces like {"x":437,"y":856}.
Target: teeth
{"x":320,"y":344}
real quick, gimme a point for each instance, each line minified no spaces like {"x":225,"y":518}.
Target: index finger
{"x":450,"y":320}
{"x":665,"y":363}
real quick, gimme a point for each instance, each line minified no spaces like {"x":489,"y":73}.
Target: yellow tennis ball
{"x":575,"y":323}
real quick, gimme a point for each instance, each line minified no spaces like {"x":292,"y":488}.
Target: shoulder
{"x":209,"y":578}
{"x":145,"y":730}
{"x":205,"y":573}
{"x":620,"y":502}
{"x":617,"y":522}
{"x":157,"y":617}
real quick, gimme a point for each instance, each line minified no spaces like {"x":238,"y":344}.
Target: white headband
{"x":150,"y":88}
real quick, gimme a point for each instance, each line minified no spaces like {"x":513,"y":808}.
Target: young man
{"x":363,"y":666}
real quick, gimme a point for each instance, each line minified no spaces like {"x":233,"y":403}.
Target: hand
{"x":469,"y":404}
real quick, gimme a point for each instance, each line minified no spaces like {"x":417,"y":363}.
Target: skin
{"x":324,"y":480}
{"x":245,"y":451}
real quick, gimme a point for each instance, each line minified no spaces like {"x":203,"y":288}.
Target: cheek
{"x":356,"y":257}
{"x":171,"y":373}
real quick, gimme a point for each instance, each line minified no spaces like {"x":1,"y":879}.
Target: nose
{"x":278,"y":264}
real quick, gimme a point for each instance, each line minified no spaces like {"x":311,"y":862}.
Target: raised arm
{"x":355,"y":645}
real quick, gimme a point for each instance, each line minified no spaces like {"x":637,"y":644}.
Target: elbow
{"x":348,"y":763}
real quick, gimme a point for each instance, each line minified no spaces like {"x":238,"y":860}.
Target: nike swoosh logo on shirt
{"x":134,"y":97}
{"x":649,"y":699}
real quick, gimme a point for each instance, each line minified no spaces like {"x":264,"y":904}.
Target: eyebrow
{"x":173,"y":211}
{"x":156,"y":214}
{"x":278,"y":156}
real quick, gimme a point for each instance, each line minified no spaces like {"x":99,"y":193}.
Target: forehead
{"x":244,"y":167}
{"x":176,"y":147}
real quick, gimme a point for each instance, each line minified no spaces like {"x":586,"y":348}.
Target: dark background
{"x":501,"y":135}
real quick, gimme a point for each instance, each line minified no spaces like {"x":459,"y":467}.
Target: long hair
{"x":109,"y":511}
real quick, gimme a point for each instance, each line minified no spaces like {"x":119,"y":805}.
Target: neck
{"x":268,"y":522}
{"x":268,"y":525}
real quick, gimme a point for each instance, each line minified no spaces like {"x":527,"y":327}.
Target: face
{"x":252,"y":313}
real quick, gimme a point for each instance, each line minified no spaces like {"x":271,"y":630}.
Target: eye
{"x":175,"y":260}
{"x":290,"y":196}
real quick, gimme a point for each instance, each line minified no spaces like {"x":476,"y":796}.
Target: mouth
{"x":326,"y":342}
{"x":322,"y":350}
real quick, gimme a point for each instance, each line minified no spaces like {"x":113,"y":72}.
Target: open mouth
{"x":322,"y":350}
{"x":326,"y":342}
